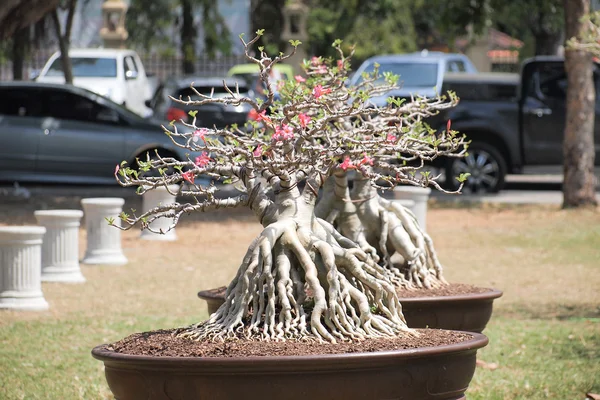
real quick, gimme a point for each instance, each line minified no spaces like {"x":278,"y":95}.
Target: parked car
{"x":63,"y":133}
{"x":208,"y":115}
{"x":515,"y":122}
{"x":249,"y":72}
{"x":421,"y":73}
{"x":115,"y":73}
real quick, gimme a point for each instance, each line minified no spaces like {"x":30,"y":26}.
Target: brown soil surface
{"x":163,"y":343}
{"x":453,"y":289}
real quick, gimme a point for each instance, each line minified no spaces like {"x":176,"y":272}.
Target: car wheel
{"x":486,"y":166}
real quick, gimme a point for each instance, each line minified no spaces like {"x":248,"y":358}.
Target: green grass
{"x":544,"y":334}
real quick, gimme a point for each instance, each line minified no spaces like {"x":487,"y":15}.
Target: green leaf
{"x":260,"y":32}
{"x":192,"y":113}
{"x":295,"y":43}
{"x":463,"y":177}
{"x":261,"y":48}
{"x":123,"y":216}
{"x":110,"y":220}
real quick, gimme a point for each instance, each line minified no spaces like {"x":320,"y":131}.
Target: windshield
{"x":87,"y":67}
{"x":420,"y":75}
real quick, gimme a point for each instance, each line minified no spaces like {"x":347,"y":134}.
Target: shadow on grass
{"x":561,"y":312}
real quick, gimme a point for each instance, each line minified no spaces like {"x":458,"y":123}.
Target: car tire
{"x":486,"y":165}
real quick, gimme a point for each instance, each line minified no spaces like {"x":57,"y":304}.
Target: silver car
{"x":64,"y":134}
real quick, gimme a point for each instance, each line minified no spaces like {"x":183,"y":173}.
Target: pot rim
{"x":326,"y":361}
{"x":489,"y":295}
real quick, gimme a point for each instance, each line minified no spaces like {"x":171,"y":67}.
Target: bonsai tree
{"x":301,"y":277}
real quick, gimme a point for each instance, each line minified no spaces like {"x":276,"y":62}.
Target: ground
{"x":544,"y":334}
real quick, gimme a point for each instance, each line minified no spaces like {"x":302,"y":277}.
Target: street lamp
{"x":295,"y":14}
{"x":113,"y":30}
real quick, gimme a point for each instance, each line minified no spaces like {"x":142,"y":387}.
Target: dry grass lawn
{"x":547,"y":262}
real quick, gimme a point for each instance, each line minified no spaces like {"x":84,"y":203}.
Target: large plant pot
{"x":465,"y":312}
{"x":441,"y":373}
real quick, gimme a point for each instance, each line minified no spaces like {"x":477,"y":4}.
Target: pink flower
{"x":347,"y":164}
{"x":202,"y":160}
{"x":280,"y":85}
{"x":366,"y":160}
{"x":448,"y":125}
{"x":321,"y":70}
{"x":304,"y":120}
{"x":391,"y":138}
{"x":199,"y":134}
{"x":188,"y":176}
{"x":299,"y":79}
{"x":117,"y":168}
{"x":262,"y":116}
{"x":318,"y":91}
{"x":257,"y":151}
{"x":340,"y":64}
{"x":283,"y":132}
{"x":315,"y":61}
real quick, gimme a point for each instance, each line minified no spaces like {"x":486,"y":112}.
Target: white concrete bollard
{"x":60,"y":248}
{"x":103,"y":240}
{"x":20,"y":268}
{"x":419,"y":196}
{"x":154,"y":198}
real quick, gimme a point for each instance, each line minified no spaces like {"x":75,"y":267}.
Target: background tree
{"x":18,"y":14}
{"x":150,"y":26}
{"x":64,"y":38}
{"x":578,"y":146}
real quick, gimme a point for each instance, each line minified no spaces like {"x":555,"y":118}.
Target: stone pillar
{"x":419,"y":196}
{"x":295,"y":14}
{"x":103,"y":240}
{"x":60,"y":249}
{"x":20,"y":268}
{"x":113,"y":31}
{"x":154,"y":198}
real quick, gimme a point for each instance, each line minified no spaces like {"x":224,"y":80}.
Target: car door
{"x":136,"y":95}
{"x":544,"y":114}
{"x":85,"y":140}
{"x":20,"y":131}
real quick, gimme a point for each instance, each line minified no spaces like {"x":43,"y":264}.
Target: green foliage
{"x":375,"y":27}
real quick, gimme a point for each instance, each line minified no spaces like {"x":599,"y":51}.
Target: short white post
{"x":419,"y":196}
{"x":154,"y":198}
{"x":103,"y":240}
{"x":20,"y":268}
{"x":60,"y":249}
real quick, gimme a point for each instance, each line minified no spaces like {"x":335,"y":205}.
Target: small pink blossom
{"x":340,"y":64}
{"x":188,"y":176}
{"x":315,"y":61}
{"x":283,"y":132}
{"x":448,"y":125}
{"x":117,"y":168}
{"x":366,"y":160}
{"x":347,"y":164}
{"x":319,"y":91}
{"x":280,"y":85}
{"x":299,"y":79}
{"x":199,"y":134}
{"x":322,"y":69}
{"x":391,"y":138}
{"x":257,"y":151}
{"x":202,"y":160}
{"x":304,"y":120}
{"x":262,"y":116}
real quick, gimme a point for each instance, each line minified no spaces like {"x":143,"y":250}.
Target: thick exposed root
{"x":301,"y":282}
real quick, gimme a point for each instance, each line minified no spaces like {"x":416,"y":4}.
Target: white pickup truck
{"x":115,"y":73}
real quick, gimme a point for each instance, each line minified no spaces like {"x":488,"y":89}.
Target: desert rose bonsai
{"x":304,"y":277}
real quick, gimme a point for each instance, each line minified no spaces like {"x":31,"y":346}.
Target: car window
{"x":552,"y":80}
{"x":455,"y":66}
{"x":100,"y":67}
{"x":21,"y":102}
{"x":411,"y":74}
{"x":69,"y":106}
{"x":482,"y":91}
{"x":129,"y":65}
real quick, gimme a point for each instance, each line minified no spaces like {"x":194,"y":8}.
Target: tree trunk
{"x":19,"y":50}
{"x":547,"y":43}
{"x":188,"y":37}
{"x":63,"y":45}
{"x":578,"y":145}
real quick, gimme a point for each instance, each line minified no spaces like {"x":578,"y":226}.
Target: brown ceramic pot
{"x":466,"y":312}
{"x":441,"y":373}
